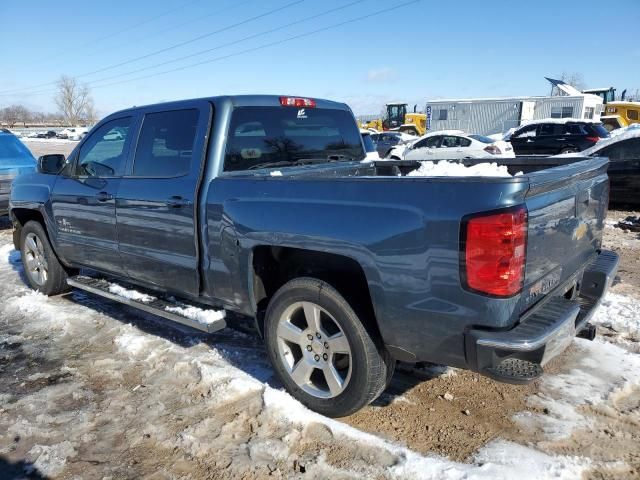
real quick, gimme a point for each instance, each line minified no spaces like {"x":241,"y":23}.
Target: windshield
{"x":13,"y":152}
{"x":482,"y":138}
{"x":261,"y":136}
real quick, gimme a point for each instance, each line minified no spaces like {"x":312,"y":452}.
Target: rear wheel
{"x":41,"y":266}
{"x":321,"y":350}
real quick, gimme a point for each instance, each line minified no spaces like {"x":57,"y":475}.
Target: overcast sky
{"x":420,"y":50}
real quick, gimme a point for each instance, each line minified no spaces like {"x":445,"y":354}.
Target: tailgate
{"x":567,"y":206}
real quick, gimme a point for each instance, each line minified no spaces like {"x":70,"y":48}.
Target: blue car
{"x":15,"y":159}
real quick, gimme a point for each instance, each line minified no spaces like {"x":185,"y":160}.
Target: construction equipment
{"x":617,"y":113}
{"x":396,"y":118}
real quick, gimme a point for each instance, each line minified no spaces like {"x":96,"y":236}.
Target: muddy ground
{"x":119,"y":413}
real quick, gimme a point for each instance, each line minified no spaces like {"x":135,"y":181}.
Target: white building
{"x":487,"y":116}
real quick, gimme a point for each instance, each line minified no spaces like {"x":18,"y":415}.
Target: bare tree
{"x":90,"y":113}
{"x":575,"y":79}
{"x":72,"y":99}
{"x":14,"y":114}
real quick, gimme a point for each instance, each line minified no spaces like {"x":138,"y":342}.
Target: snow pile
{"x":446,"y":168}
{"x":620,"y":315}
{"x":130,"y":294}
{"x":200,"y":315}
{"x":595,"y":373}
{"x":276,"y":173}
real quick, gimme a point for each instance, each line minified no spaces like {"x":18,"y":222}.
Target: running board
{"x":154,"y":305}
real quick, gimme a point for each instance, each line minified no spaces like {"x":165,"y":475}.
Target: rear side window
{"x":263,"y":137}
{"x":165,"y":146}
{"x":574,"y":129}
{"x":551,"y":129}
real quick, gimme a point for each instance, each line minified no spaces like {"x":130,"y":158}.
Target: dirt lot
{"x":90,"y":389}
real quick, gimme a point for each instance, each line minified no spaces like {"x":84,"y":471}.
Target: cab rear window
{"x":264,"y":137}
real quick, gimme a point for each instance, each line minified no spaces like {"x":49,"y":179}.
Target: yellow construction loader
{"x":396,"y":118}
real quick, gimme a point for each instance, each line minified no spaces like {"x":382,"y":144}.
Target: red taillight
{"x":495,"y":252}
{"x":593,"y":139}
{"x":492,"y":149}
{"x":297,"y":102}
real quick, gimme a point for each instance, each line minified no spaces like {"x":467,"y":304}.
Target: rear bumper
{"x":547,"y":330}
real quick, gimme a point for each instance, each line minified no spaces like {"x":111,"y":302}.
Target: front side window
{"x":103,"y":153}
{"x":264,"y":137}
{"x":165,"y":146}
{"x":429,"y":142}
{"x":529,"y":131}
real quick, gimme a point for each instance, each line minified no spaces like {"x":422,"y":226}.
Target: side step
{"x":515,"y":371}
{"x":173,"y":311}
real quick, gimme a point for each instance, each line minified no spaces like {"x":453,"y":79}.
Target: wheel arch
{"x":273,"y":266}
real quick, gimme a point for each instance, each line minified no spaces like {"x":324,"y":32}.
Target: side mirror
{"x":51,"y":164}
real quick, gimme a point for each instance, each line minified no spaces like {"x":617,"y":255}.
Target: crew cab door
{"x":156,"y":203}
{"x":83,"y":197}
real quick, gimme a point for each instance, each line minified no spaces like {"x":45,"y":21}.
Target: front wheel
{"x":321,"y":351}
{"x":42,"y":268}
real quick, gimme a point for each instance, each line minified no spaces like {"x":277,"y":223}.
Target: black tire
{"x":370,"y":364}
{"x":56,"y":278}
{"x":568,"y":150}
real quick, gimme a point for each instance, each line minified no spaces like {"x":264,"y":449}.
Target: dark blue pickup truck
{"x":261,"y":206}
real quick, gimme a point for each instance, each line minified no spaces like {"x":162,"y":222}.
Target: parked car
{"x":47,"y":134}
{"x":262,"y":206}
{"x":555,"y":136}
{"x":452,"y":145}
{"x":385,"y":141}
{"x":15,"y":159}
{"x":369,"y":147}
{"x":623,"y":152}
{"x":73,"y":133}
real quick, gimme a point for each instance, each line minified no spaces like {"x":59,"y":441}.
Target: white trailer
{"x":487,"y":116}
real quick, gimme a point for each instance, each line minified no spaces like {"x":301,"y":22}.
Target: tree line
{"x":73,"y":100}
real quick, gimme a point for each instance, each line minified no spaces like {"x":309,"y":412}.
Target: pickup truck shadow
{"x":20,"y":469}
{"x":239,"y":344}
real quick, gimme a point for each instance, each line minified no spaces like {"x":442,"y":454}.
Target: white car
{"x":452,"y":145}
{"x":73,"y":133}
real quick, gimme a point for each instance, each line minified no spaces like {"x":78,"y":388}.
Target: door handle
{"x":104,"y":197}
{"x":178,"y":202}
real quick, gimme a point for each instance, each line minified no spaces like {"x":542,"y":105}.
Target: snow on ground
{"x":620,"y":315}
{"x":445,"y":168}
{"x":52,"y":141}
{"x":96,"y":389}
